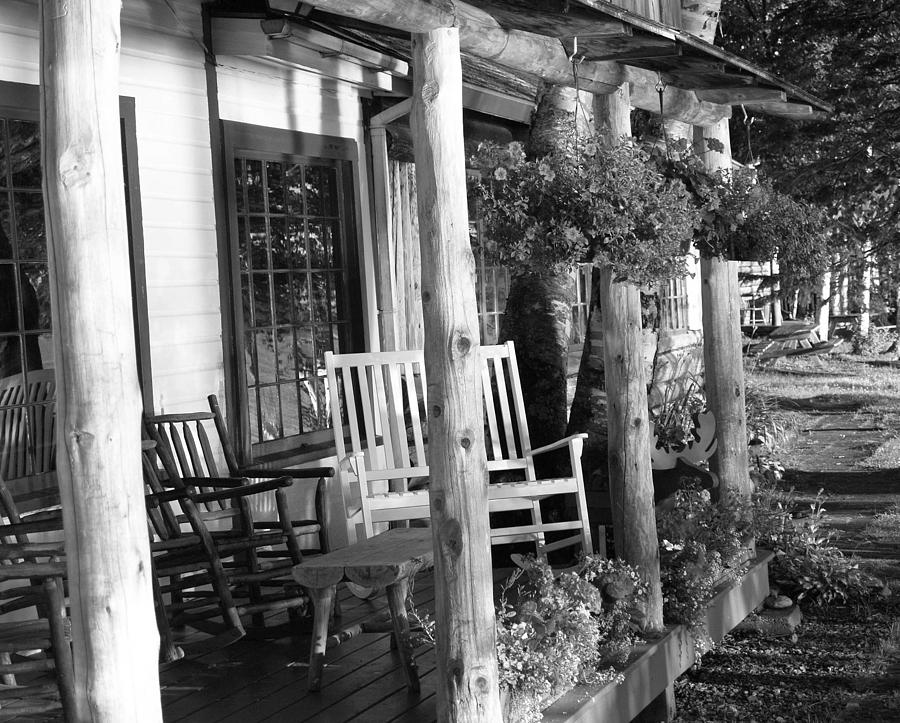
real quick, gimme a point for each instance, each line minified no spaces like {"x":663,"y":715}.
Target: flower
{"x":500,"y":173}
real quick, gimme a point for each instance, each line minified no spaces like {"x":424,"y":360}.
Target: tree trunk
{"x":824,"y":305}
{"x":466,"y":654}
{"x":722,"y":347}
{"x":538,"y":316}
{"x":865,"y":286}
{"x":98,"y":404}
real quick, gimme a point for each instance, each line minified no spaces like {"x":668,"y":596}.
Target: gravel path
{"x":838,"y":669}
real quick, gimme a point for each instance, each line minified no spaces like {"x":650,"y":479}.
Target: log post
{"x":630,"y":473}
{"x":98,"y":405}
{"x":466,"y":653}
{"x":722,"y":345}
{"x":865,"y":289}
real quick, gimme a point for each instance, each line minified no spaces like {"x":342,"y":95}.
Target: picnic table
{"x":792,"y":338}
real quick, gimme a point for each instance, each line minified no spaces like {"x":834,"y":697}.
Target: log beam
{"x":722,"y":345}
{"x":466,"y":654}
{"x":481,"y":35}
{"x":98,"y":403}
{"x":630,"y":473}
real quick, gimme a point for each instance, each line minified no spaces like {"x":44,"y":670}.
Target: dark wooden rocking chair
{"x":256,"y":555}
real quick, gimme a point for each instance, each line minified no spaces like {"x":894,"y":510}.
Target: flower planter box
{"x":655,"y":665}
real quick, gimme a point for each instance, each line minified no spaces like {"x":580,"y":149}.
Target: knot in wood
{"x":74,"y":167}
{"x":637,"y":422}
{"x":451,"y":537}
{"x":465,"y":442}
{"x":436,"y":411}
{"x":437,"y":501}
{"x":430,"y":90}
{"x":463,"y":345}
{"x":426,"y":297}
{"x":737,"y":391}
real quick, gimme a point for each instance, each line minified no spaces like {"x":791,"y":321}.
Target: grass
{"x":885,"y":526}
{"x":887,"y":456}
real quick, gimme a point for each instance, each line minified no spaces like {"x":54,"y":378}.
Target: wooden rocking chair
{"x":36,"y":665}
{"x":258,"y":554}
{"x":378,"y":399}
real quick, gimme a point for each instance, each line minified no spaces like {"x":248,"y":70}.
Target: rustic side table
{"x":387,"y":561}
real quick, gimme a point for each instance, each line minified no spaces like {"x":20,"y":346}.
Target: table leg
{"x":323,"y":602}
{"x":396,"y":594}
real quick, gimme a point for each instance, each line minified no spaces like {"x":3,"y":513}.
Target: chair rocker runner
{"x":379,"y":398}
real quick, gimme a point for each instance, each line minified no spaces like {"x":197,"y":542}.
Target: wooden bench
{"x":387,"y":561}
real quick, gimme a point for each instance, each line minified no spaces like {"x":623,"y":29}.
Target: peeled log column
{"x":722,"y":345}
{"x":98,"y":402}
{"x":630,"y":475}
{"x":466,"y":654}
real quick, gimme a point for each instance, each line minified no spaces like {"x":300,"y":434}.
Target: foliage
{"x":877,"y":341}
{"x":701,"y":542}
{"x":556,"y":631}
{"x":806,"y":566}
{"x":767,"y":423}
{"x":848,"y":160}
{"x":674,"y":420}
{"x":743,"y":217}
{"x":586,"y":202}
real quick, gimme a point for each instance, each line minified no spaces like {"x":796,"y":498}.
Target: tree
{"x":849,"y":161}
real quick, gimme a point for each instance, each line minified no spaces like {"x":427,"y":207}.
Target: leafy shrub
{"x":877,"y":341}
{"x":806,"y":566}
{"x":554,"y":632}
{"x":766,"y":421}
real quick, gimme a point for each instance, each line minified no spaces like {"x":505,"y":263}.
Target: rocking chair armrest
{"x":243,"y":491}
{"x":564,"y":442}
{"x":225,"y":482}
{"x":301,"y":473}
{"x":156,"y":499}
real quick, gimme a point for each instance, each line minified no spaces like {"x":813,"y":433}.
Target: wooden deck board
{"x":260,"y":678}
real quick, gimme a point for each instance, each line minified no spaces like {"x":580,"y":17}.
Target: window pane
{"x":275,"y":186}
{"x":336,"y":295}
{"x":253,"y":409}
{"x":300,"y":288}
{"x":281,"y":249}
{"x":319,"y":283}
{"x":239,"y":185}
{"x":305,"y":350}
{"x":321,"y":191}
{"x":253,"y":180}
{"x":297,"y":243}
{"x":259,"y":243}
{"x":30,"y":226}
{"x":270,"y":412}
{"x":313,"y":403}
{"x":25,"y":154}
{"x":281,"y":283}
{"x":290,"y":409}
{"x":6,"y":234}
{"x":265,"y":356}
{"x":261,"y":300}
{"x":293,"y":181}
{"x":318,"y":256}
{"x":9,"y":299}
{"x":284,"y":338}
{"x":243,"y":243}
{"x":4,"y":164}
{"x":35,"y":291}
{"x":250,"y":365}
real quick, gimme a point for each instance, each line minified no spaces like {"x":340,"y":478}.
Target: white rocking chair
{"x":378,"y":401}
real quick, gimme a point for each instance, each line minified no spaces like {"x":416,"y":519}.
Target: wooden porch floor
{"x":263,"y":676}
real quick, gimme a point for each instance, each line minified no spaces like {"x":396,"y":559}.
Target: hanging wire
{"x":575,"y":59}
{"x":660,"y":89}
{"x":748,"y":121}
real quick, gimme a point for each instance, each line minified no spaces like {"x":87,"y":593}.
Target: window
{"x":295,"y":273}
{"x":673,"y":302}
{"x":26,"y":347}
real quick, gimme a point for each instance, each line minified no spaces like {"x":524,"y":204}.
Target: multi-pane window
{"x":25,"y":341}
{"x":673,"y":303}
{"x":492,"y":288}
{"x":295,"y":269}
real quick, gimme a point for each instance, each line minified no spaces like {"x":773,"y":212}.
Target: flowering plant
{"x":556,"y":631}
{"x":584,"y":202}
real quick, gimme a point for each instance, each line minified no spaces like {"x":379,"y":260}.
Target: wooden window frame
{"x":275,"y":144}
{"x":22,"y":102}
